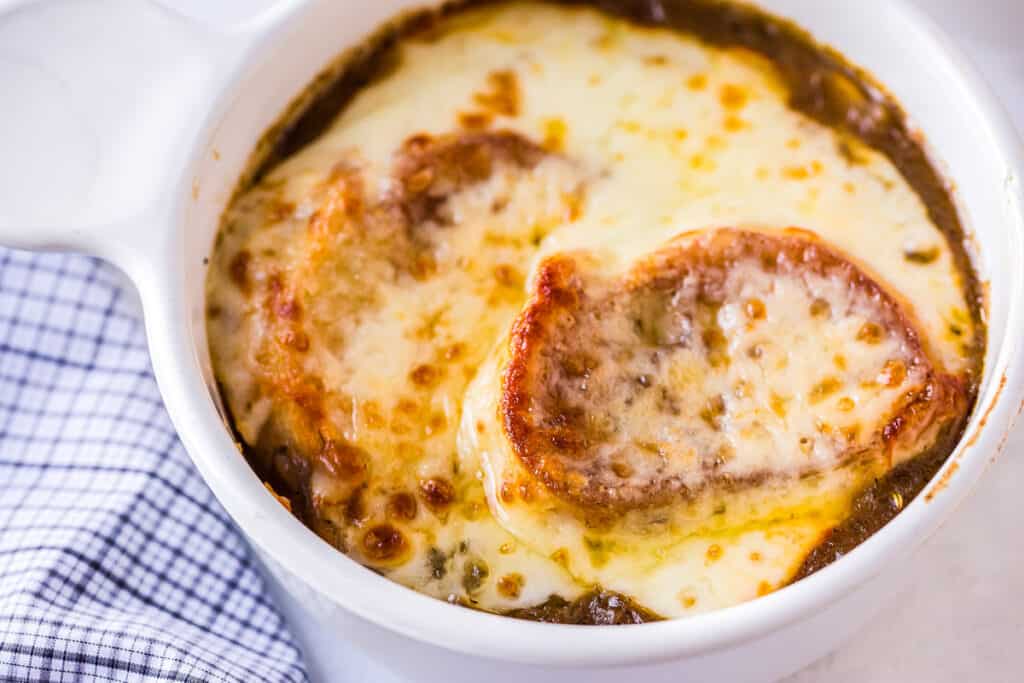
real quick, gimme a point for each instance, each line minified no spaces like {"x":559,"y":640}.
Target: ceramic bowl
{"x":126,"y":135}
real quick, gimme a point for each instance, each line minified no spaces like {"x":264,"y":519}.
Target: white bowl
{"x":131,"y":128}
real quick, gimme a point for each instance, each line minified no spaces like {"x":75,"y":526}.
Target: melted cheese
{"x":359,"y":305}
{"x":706,"y":405}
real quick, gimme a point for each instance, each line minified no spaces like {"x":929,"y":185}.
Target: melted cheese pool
{"x":362,"y":297}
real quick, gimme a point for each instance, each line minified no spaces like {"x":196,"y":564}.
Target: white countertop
{"x":963,"y":617}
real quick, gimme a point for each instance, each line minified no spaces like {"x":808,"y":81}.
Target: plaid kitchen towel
{"x":116,"y":562}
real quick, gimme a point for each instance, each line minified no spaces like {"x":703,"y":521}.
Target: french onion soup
{"x":594,"y":314}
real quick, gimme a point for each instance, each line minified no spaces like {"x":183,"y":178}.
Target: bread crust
{"x":571,"y":330}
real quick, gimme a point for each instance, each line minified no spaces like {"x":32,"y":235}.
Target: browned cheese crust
{"x":352,"y":232}
{"x":587,"y":353}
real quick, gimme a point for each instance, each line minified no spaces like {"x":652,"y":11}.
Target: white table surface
{"x":963,"y":617}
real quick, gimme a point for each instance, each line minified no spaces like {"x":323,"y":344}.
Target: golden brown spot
{"x":870,"y":333}
{"x":605,"y":41}
{"x":508,"y":276}
{"x":852,"y":151}
{"x":419,"y":181}
{"x":796,"y":173}
{"x":437,"y":423}
{"x":408,"y":451}
{"x":622,"y":470}
{"x":239,"y":270}
{"x":733,"y":96}
{"x":372,"y":416}
{"x":742,"y":389}
{"x":280,"y":210}
{"x":384,"y":543}
{"x":714,"y":552}
{"x":793,"y":143}
{"x":402,"y":505}
{"x":922,"y":256}
{"x":734,"y":124}
{"x":839,"y":361}
{"x":511,"y":585}
{"x":851,"y":432}
{"x":407,"y":407}
{"x":715,"y":142}
{"x":699,"y":162}
{"x":755,"y":556}
{"x":764,"y":588}
{"x":341,"y":459}
{"x":656,"y":60}
{"x":507,"y":548}
{"x":824,"y":389}
{"x":475,"y":120}
{"x":555,"y":131}
{"x":425,"y":376}
{"x":820,"y":308}
{"x":846,"y":404}
{"x":713,"y":412}
{"x":688,"y":601}
{"x":437,"y":493}
{"x":454,"y":351}
{"x":893,"y":374}
{"x":697,"y":82}
{"x":755,"y":309}
{"x":850,"y":188}
{"x":400,"y":426}
{"x":504,"y":95}
{"x":429,"y":173}
{"x":574,"y":201}
{"x":561,"y":557}
{"x":508,"y":492}
{"x":725,"y":453}
{"x":778,"y":405}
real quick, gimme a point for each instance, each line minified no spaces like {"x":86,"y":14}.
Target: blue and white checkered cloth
{"x":116,"y":562}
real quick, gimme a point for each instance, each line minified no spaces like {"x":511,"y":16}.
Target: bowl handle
{"x":102,"y":100}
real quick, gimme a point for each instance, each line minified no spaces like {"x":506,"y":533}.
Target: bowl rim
{"x":394,"y":607}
